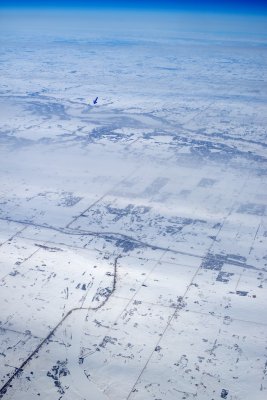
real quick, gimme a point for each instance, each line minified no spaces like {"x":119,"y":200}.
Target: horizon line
{"x":185,"y":10}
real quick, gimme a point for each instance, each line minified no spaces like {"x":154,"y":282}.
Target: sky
{"x":207,"y":15}
{"x":236,"y":6}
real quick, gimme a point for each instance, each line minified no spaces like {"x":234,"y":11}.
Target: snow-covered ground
{"x":133,"y":232}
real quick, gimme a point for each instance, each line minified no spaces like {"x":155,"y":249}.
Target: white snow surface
{"x":133,"y":232}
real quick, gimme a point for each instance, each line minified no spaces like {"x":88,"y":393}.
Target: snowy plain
{"x":133,"y":232}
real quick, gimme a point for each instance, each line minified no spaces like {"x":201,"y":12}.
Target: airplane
{"x":95,"y":100}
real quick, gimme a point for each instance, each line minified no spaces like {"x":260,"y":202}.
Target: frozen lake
{"x":133,"y":231}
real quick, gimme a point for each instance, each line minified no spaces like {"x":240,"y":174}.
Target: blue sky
{"x":239,"y":6}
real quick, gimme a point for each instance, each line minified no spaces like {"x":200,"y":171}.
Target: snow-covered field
{"x":133,"y":232}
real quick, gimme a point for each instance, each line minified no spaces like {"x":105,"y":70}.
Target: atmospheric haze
{"x":133,"y":218}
